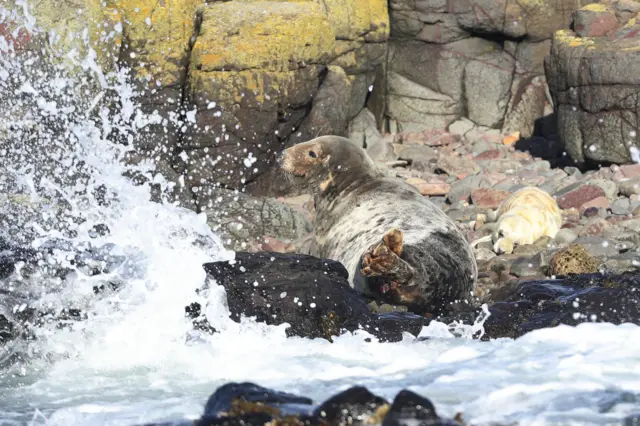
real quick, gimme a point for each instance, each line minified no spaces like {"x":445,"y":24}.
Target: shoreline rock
{"x":251,"y":404}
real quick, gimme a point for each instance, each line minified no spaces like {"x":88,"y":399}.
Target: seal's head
{"x":326,"y":162}
{"x":504,"y":237}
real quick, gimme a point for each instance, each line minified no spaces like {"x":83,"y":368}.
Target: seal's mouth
{"x":285,"y":166}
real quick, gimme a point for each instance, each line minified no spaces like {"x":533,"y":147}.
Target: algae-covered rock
{"x":274,"y":36}
{"x":572,"y":260}
{"x":158,"y":36}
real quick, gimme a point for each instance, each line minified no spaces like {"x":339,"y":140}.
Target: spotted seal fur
{"x":525,"y":216}
{"x":397,"y":246}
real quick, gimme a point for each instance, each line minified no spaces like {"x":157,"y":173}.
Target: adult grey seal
{"x":397,"y":246}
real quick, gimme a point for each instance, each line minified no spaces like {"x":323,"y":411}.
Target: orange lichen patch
{"x":351,"y":19}
{"x":274,"y":36}
{"x":253,"y":88}
{"x":158,"y":34}
{"x":511,"y":138}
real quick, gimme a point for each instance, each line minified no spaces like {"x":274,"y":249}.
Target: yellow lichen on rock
{"x":595,"y":7}
{"x":158,"y":34}
{"x":274,"y":36}
{"x":355,"y":19}
{"x":570,"y":38}
{"x":255,"y":89}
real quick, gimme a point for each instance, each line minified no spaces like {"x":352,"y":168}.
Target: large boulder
{"x":592,"y":76}
{"x":310,"y":294}
{"x":474,"y":59}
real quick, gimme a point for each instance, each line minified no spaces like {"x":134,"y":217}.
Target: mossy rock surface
{"x":271,"y":36}
{"x":158,"y":36}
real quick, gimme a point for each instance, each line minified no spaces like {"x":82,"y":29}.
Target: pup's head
{"x":321,"y":163}
{"x":505,"y":237}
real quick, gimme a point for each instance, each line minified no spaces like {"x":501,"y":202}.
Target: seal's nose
{"x":280,"y":159}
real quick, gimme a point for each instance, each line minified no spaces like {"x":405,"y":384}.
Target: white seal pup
{"x":397,"y":246}
{"x":525,"y":216}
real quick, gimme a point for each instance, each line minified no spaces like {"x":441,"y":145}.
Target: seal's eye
{"x":500,"y":234}
{"x":312,"y":154}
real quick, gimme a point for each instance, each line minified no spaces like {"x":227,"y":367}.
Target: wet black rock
{"x":355,"y":405}
{"x":314,"y":297}
{"x":309,"y":293}
{"x":253,"y":403}
{"x":409,"y":408}
{"x":250,"y":404}
{"x":612,"y":298}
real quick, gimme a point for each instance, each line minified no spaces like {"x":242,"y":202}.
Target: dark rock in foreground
{"x":314,"y":297}
{"x":571,"y":301}
{"x":311,"y":294}
{"x":249,"y":404}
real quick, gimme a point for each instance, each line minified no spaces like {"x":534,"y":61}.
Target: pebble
{"x":429,"y":188}
{"x":456,"y":166}
{"x":527,"y":250}
{"x":413,"y":152}
{"x":590,"y":212}
{"x":597,"y":246}
{"x":461,"y":189}
{"x":610,"y":188}
{"x":623,"y":262}
{"x":573,"y":171}
{"x":531,"y":265}
{"x":629,"y":187}
{"x":565,"y":236}
{"x":538,"y":166}
{"x":490,"y":154}
{"x":597,"y":203}
{"x":621,"y":206}
{"x":594,"y":226}
{"x":578,"y":196}
{"x":488,"y":198}
{"x":630,"y":170}
{"x":484,"y":254}
{"x":461,"y":126}
{"x":625,"y":238}
{"x":631,"y":224}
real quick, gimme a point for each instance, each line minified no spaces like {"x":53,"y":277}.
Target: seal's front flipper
{"x":383,"y":260}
